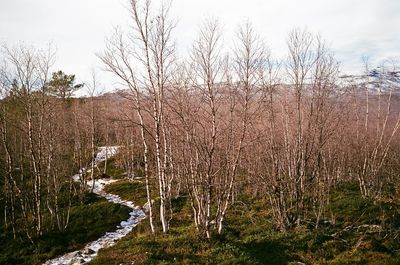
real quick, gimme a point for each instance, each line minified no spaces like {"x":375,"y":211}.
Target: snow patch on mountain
{"x":377,"y":80}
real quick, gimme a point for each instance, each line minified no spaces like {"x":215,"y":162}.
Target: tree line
{"x":46,"y":137}
{"x":222,"y":119}
{"x":222,"y":122}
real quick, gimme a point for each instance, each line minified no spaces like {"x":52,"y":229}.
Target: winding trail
{"x":109,"y":239}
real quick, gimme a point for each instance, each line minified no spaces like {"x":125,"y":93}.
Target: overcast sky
{"x":353,"y":28}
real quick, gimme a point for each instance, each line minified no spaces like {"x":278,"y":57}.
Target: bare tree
{"x":375,"y":135}
{"x":248,"y":62}
{"x":149,"y":46}
{"x":32,"y":128}
{"x":207,"y":66}
{"x":93,"y":91}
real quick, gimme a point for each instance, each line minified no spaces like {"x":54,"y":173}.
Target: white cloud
{"x":353,"y":28}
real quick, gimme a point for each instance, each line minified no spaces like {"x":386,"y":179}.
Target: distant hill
{"x":376,"y":80}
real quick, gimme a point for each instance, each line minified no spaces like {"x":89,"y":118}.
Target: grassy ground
{"x":249,"y":237}
{"x":87,"y":223}
{"x":360,"y":232}
{"x":112,"y":169}
{"x":132,"y":191}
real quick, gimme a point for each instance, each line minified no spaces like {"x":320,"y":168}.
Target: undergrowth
{"x":88,"y":221}
{"x":359,"y":232}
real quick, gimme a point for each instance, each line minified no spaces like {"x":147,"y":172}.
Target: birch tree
{"x":142,"y":62}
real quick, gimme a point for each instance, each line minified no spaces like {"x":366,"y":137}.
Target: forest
{"x":234,"y":155}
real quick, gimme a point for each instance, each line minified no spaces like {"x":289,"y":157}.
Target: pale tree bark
{"x":27,"y":75}
{"x":93,"y":91}
{"x":151,"y":46}
{"x":381,"y":125}
{"x":118,"y":59}
{"x":298,"y":164}
{"x":207,"y":66}
{"x":248,"y":62}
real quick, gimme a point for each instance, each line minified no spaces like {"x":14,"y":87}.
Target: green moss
{"x":250,"y":238}
{"x":87,"y":223}
{"x":113,"y":169}
{"x":133,"y":191}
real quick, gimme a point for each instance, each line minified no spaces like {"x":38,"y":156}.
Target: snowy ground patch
{"x":110,"y":238}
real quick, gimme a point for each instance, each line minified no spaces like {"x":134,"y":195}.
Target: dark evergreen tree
{"x":62,"y":85}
